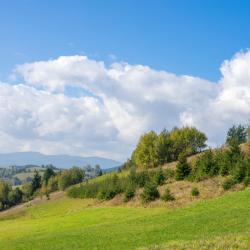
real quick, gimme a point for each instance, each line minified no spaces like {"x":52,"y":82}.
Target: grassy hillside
{"x":66,"y":223}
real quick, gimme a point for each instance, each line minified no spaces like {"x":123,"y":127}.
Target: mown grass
{"x":83,"y":224}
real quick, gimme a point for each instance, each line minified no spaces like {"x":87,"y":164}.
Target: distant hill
{"x":60,"y":161}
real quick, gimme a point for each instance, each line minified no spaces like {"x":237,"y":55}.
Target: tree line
{"x":50,"y":182}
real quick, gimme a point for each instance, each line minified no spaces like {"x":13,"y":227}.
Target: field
{"x":64,"y":223}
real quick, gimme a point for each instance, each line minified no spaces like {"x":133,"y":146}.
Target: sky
{"x":89,"y":77}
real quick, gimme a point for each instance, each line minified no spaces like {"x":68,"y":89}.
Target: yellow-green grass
{"x":85,"y":224}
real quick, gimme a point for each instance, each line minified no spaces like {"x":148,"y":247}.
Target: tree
{"x":182,"y":169}
{"x":36,"y":182}
{"x":76,"y":175}
{"x":64,"y":180}
{"x":4,"y":191}
{"x":27,"y":190}
{"x":236,"y":134}
{"x":188,"y":140}
{"x":150,"y":192}
{"x":145,"y":154}
{"x":159,"y":177}
{"x":48,"y":173}
{"x":15,"y":196}
{"x":164,"y":147}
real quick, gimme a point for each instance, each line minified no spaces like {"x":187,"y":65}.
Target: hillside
{"x":65,"y":223}
{"x":60,"y":161}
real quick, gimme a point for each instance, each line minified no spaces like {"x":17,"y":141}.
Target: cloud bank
{"x":80,"y":106}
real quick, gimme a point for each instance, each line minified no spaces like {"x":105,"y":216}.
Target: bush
{"x":142,"y":178}
{"x":239,"y":171}
{"x":159,"y":177}
{"x":182,"y":168}
{"x":129,"y":192}
{"x":228,"y":183}
{"x":195,"y":191}
{"x":27,"y":191}
{"x":169,"y":173}
{"x":246,"y":181}
{"x":150,"y":192}
{"x":168,"y":196}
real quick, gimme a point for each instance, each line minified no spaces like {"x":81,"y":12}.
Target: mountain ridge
{"x":60,"y":161}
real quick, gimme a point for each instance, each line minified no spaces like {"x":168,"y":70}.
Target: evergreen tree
{"x":37,"y":181}
{"x":182,"y":169}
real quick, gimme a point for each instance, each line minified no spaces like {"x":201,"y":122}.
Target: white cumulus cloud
{"x":118,"y":103}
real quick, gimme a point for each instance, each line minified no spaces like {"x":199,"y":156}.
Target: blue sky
{"x":89,"y":77}
{"x":183,"y":36}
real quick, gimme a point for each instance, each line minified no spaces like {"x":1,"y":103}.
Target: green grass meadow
{"x":79,"y":224}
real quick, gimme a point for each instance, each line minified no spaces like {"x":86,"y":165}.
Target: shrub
{"x":246,"y":181}
{"x":159,"y":177}
{"x":142,"y":178}
{"x":129,"y":192}
{"x":168,"y":196}
{"x":27,"y":191}
{"x":182,"y":168}
{"x":195,"y":191}
{"x":206,"y":166}
{"x":169,"y":173}
{"x":228,"y":183}
{"x":150,"y":192}
{"x":239,"y":171}
{"x":52,"y":184}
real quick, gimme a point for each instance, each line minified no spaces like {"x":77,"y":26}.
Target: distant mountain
{"x":60,"y":161}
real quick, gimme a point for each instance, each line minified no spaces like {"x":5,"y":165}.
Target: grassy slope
{"x":82,"y":224}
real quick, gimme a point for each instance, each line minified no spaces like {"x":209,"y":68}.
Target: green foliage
{"x":4,"y":191}
{"x":52,"y":184}
{"x":48,"y":173}
{"x":129,"y":192}
{"x":195,"y":191}
{"x":236,"y":134}
{"x":15,"y":196}
{"x":154,"y":150}
{"x":228,"y":183}
{"x":142,"y":178}
{"x":206,"y":165}
{"x":36,"y":182}
{"x":168,"y":196}
{"x":145,"y":154}
{"x":183,"y":169}
{"x":150,"y":192}
{"x":187,"y":140}
{"x":164,"y":147}
{"x":27,"y":190}
{"x":159,"y":177}
{"x":70,"y":177}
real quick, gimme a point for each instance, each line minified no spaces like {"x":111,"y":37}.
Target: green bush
{"x":182,"y":168}
{"x":159,"y":177}
{"x":129,"y":192}
{"x":142,"y":178}
{"x":150,"y":192}
{"x":169,"y":173}
{"x":168,"y":196}
{"x":246,"y":181}
{"x":228,"y":183}
{"x":195,"y":191}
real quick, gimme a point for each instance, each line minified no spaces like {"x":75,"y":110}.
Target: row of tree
{"x":154,"y":150}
